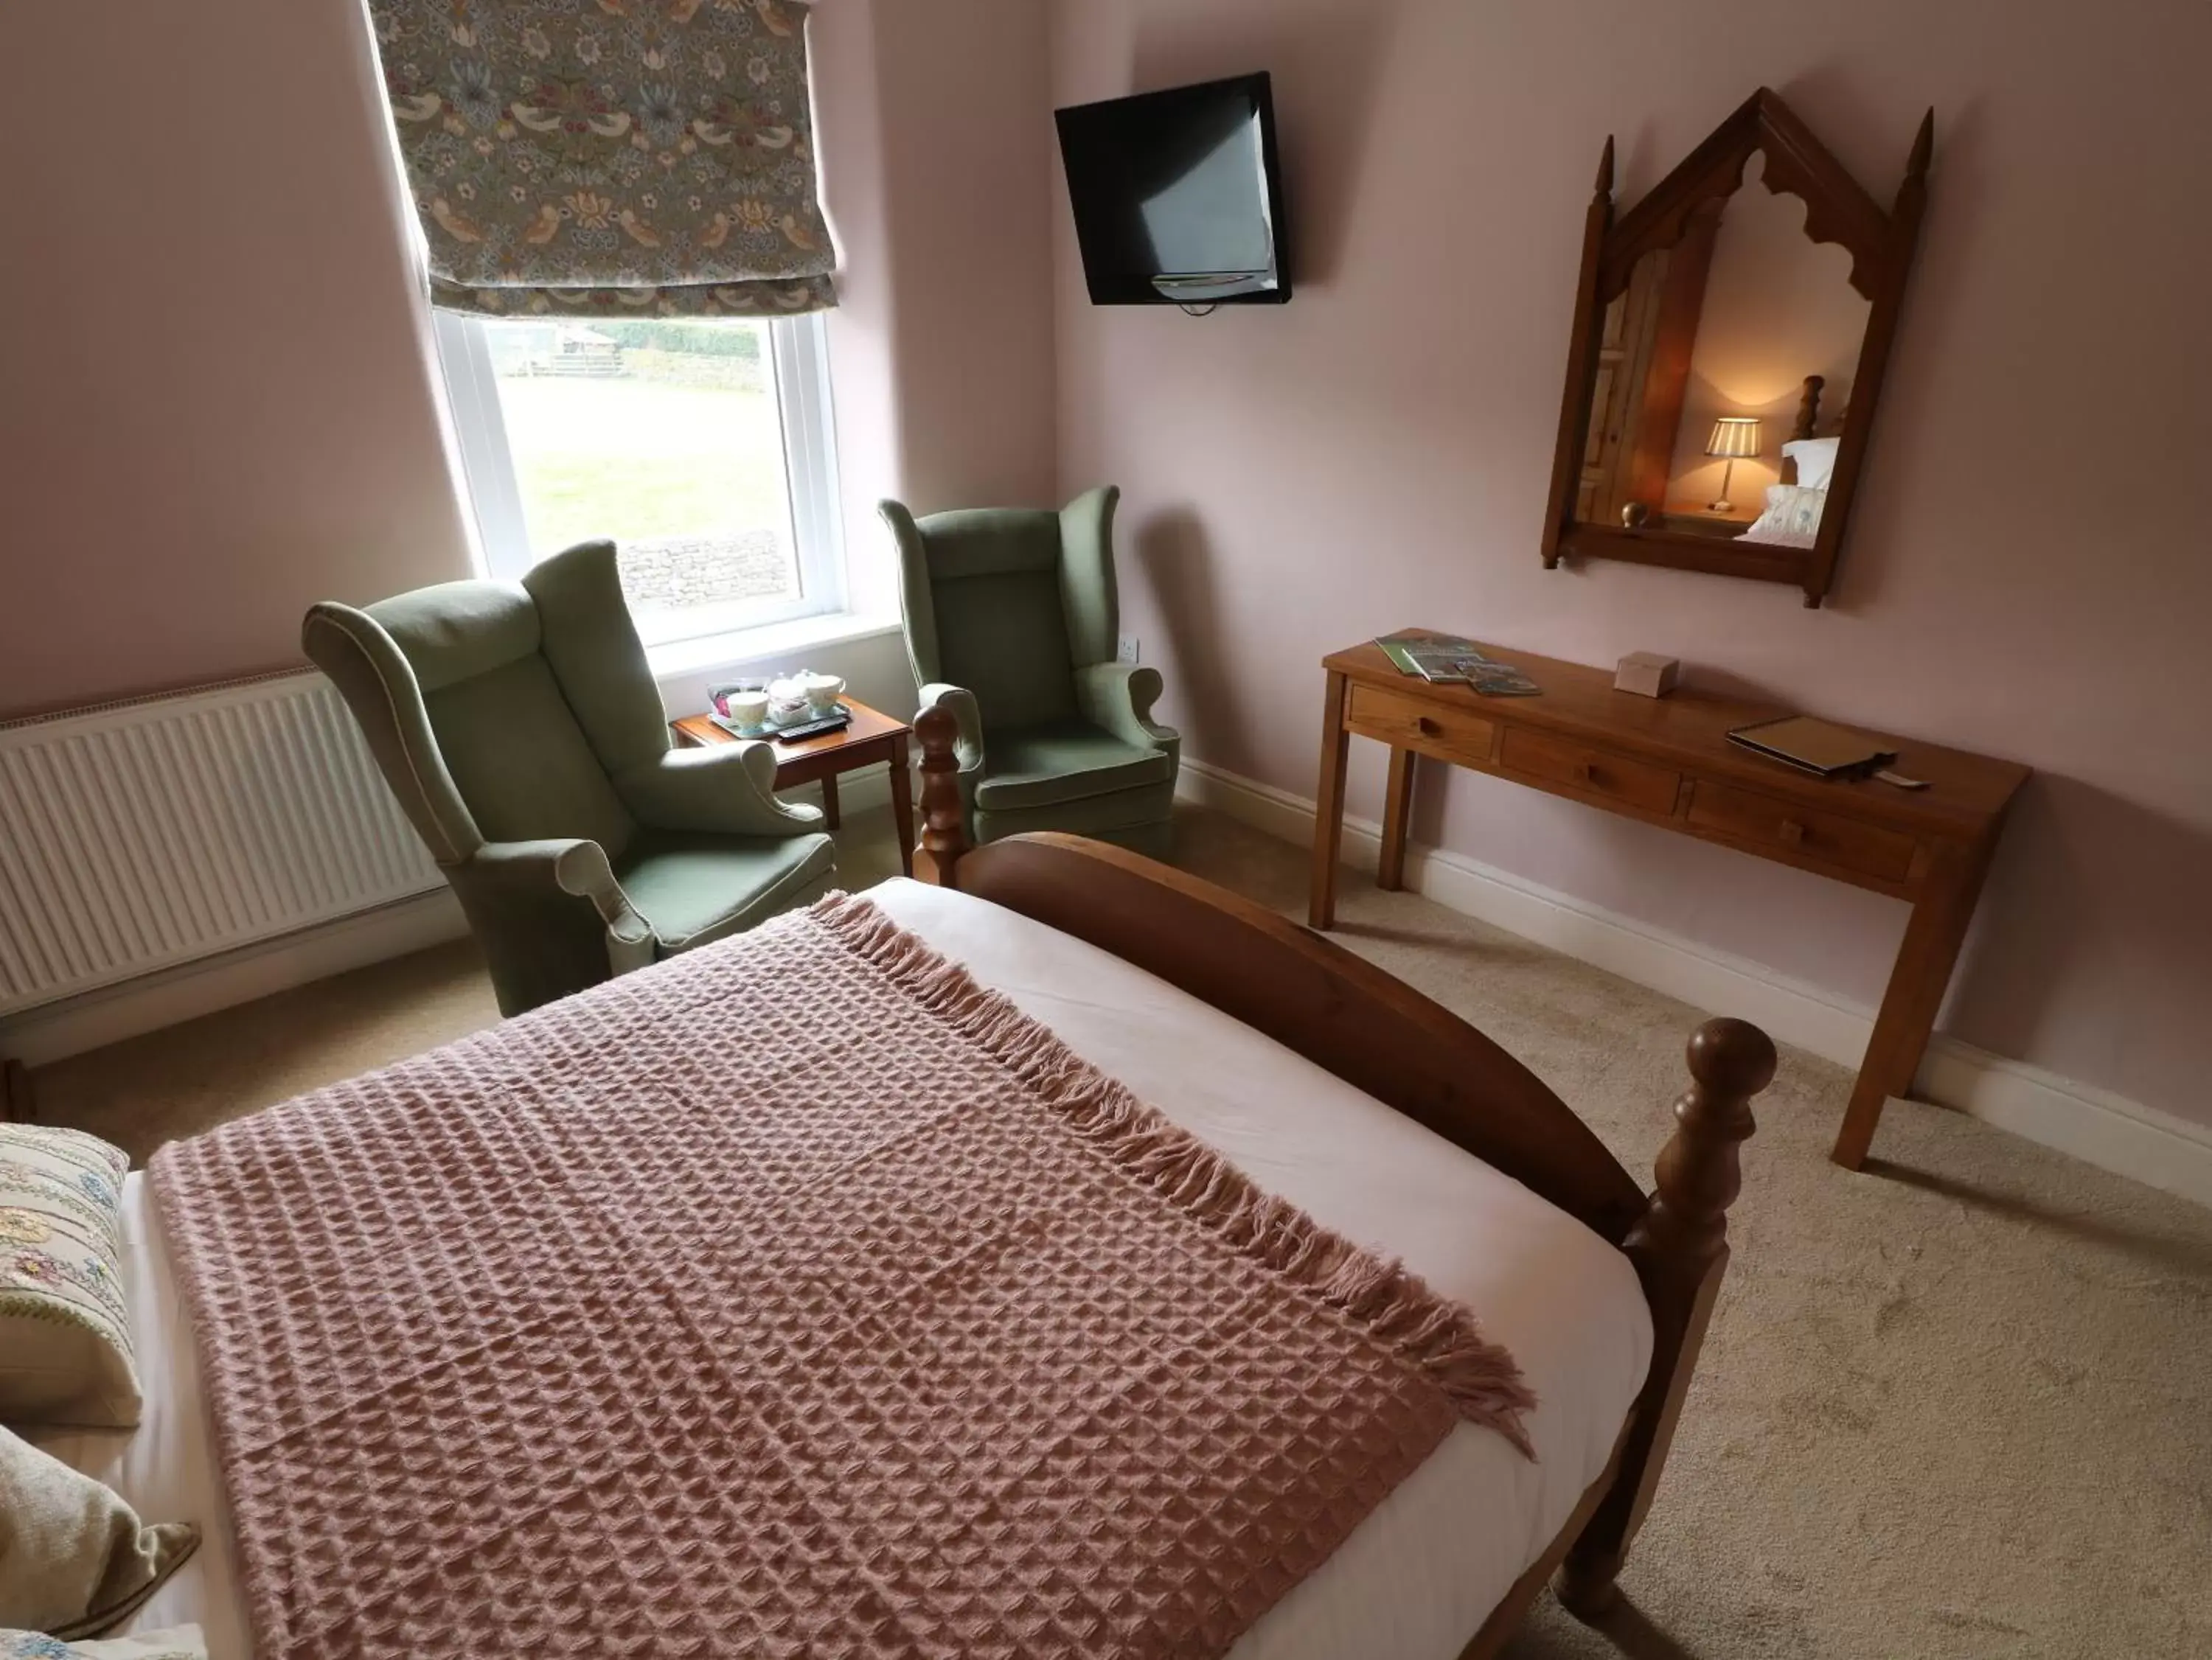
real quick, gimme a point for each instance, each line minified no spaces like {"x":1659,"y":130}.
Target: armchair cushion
{"x":521,"y":761}
{"x":981,"y":594}
{"x":458,"y":630}
{"x":1135,"y":818}
{"x":695,"y":889}
{"x":1001,"y":637}
{"x":587,"y":635}
{"x":1061,"y":761}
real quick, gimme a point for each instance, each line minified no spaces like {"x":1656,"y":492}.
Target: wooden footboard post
{"x":1680,"y":1250}
{"x":943,"y":819}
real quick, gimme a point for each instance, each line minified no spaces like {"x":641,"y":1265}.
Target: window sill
{"x":750,"y":648}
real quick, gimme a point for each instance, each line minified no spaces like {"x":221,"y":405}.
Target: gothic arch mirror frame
{"x":1837,"y":210}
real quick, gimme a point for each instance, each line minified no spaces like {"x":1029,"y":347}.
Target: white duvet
{"x":1416,"y":1579}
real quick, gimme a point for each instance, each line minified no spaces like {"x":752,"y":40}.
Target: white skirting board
{"x":131,"y":1008}
{"x":2082,"y":1120}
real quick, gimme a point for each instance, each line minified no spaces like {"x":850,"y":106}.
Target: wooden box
{"x":1647,"y":674}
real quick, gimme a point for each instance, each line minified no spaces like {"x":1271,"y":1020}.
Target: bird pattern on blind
{"x":648,"y":158}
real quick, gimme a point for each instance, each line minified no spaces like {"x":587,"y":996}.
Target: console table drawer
{"x":1600,"y":772}
{"x":1416,"y":723}
{"x":1773,"y":823}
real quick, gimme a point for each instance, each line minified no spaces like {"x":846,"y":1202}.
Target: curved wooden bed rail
{"x":1383,"y":1038}
{"x":1315,"y":997}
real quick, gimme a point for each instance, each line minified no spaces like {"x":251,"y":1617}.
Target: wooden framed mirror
{"x":1729,"y":349}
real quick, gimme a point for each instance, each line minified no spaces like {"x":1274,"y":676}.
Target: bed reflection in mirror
{"x":1725,"y":372}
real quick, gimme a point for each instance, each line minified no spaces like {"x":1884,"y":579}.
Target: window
{"x":702,"y":449}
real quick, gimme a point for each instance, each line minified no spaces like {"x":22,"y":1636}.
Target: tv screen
{"x":1177,"y":196}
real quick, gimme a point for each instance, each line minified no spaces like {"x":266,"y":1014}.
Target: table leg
{"x":1397,"y":804}
{"x":831,"y":817}
{"x":902,"y":803}
{"x":1329,"y":810}
{"x":1909,"y":1006}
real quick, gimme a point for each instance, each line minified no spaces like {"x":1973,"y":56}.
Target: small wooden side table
{"x":873,"y":736}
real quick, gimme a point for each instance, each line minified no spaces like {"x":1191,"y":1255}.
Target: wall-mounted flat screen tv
{"x":1178,"y":195}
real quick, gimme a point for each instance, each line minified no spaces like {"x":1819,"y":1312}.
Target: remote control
{"x":814,"y":729}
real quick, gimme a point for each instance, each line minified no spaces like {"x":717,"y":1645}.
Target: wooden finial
{"x":1605,"y":171}
{"x":1808,"y":409}
{"x":1679,"y":1249}
{"x":1698,"y":1174}
{"x":944,"y":818}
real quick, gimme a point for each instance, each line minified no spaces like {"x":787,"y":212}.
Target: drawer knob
{"x":1584,"y":773}
{"x":1426,"y":727}
{"x":1792,"y":832}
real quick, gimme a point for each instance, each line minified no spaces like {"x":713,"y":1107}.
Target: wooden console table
{"x":1668,"y":761}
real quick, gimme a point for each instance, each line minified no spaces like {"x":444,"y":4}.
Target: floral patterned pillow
{"x":1792,"y":519}
{"x":178,"y":1642}
{"x":66,"y":1351}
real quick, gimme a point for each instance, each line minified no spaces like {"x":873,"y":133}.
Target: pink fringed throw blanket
{"x":798,"y":1297}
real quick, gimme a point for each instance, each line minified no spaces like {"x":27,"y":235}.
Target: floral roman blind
{"x":611,"y":157}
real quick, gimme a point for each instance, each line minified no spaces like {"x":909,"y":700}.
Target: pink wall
{"x":1376,"y":454}
{"x":969,"y":141}
{"x":217,"y":394}
{"x":937,"y":182}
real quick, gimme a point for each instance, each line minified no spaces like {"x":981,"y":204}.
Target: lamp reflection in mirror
{"x":1733,"y":437}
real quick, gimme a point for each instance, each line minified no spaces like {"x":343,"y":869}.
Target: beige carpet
{"x":1957,"y":1405}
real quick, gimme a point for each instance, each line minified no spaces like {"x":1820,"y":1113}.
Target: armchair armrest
{"x":576,"y":868}
{"x":1119,"y":698}
{"x":961,"y":705}
{"x":551,"y":916}
{"x":727,"y":790}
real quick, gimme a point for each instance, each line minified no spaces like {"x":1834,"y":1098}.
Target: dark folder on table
{"x":1814,"y":746}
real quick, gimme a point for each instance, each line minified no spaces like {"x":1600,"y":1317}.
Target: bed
{"x":1333,"y":1086}
{"x":1795,"y":503}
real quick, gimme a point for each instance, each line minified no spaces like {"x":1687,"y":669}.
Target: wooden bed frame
{"x":1807,"y":421}
{"x":1382,"y":1037}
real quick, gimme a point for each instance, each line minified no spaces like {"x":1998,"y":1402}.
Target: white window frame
{"x":800,"y":353}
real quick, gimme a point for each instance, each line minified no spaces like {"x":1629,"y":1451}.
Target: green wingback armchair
{"x":520,"y":729}
{"x":1012,"y":618}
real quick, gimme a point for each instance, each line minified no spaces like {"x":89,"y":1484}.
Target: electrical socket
{"x":1127,"y":651}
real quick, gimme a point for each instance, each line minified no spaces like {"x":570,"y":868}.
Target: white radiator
{"x":135,"y":836}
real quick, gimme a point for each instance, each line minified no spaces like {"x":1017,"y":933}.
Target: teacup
{"x":822,"y":691}
{"x":749,"y":709}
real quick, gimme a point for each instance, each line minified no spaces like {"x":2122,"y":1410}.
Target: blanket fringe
{"x":1395,"y":1308}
